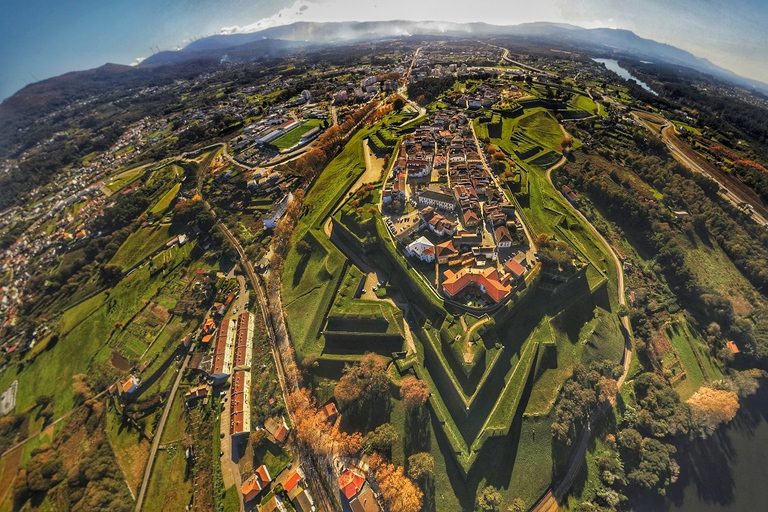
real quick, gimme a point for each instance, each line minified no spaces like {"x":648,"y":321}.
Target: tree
{"x":382,"y":439}
{"x":398,"y":104}
{"x":518,"y":505}
{"x":303,"y":247}
{"x":420,"y":465}
{"x":363,"y":382}
{"x":414,"y":392}
{"x":489,"y":499}
{"x":398,"y":491}
{"x":711,"y":407}
{"x":258,"y":437}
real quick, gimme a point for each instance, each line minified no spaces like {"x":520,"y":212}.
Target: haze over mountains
{"x":277,"y":41}
{"x":621,"y":42}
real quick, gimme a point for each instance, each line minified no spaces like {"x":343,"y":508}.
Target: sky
{"x":44,"y":38}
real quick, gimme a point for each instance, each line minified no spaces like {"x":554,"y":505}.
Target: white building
{"x":274,"y":216}
{"x":422,"y":249}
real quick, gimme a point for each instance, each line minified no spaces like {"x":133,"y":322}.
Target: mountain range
{"x":274,"y":39}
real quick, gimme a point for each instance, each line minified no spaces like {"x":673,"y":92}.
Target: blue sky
{"x":44,"y":38}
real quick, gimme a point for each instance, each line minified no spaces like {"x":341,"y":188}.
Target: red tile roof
{"x":292,"y":481}
{"x":351,"y":483}
{"x":515,"y":268}
{"x":456,"y":282}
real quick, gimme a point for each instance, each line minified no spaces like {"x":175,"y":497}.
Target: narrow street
{"x":159,"y":433}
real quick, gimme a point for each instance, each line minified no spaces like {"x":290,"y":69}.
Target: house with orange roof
{"x":329,"y":413}
{"x":351,"y":483}
{"x":445,"y":251}
{"x":486,"y":281}
{"x":471,"y":218}
{"x":277,"y":428}
{"x":515,"y":269}
{"x":732,"y":347}
{"x":129,"y":385}
{"x":256,"y":483}
{"x":209,"y":326}
{"x":294,"y":478}
{"x":502,"y":236}
{"x":240,"y":404}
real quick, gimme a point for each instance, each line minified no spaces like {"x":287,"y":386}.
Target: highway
{"x":732,"y":189}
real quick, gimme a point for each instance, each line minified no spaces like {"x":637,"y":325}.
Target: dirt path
{"x":374,"y":167}
{"x":468,"y":335}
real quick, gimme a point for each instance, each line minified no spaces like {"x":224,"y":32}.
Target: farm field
{"x":141,"y":244}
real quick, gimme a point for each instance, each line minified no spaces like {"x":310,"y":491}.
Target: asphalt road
{"x":159,"y":434}
{"x":551,"y":500}
{"x":737,"y":193}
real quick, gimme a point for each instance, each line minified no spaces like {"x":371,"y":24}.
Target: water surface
{"x":727,"y":472}
{"x":613,"y":65}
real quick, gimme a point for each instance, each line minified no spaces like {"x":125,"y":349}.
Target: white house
{"x":422,"y":249}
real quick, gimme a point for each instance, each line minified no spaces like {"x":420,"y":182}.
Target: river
{"x":725,"y":472}
{"x":613,"y":65}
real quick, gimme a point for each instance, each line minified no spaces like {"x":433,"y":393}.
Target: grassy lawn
{"x":124,"y":179}
{"x":584,"y":103}
{"x":713,"y":268}
{"x":169,"y":486}
{"x":177,"y":419}
{"x":292,"y":138}
{"x":162,"y":205}
{"x":9,"y":468}
{"x":141,"y":244}
{"x":699,"y":368}
{"x":309,"y":282}
{"x":131,"y":451}
{"x":272,"y":456}
{"x":542,"y":127}
{"x":91,"y":325}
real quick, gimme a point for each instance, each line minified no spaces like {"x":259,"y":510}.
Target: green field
{"x":309,"y":282}
{"x":141,"y":244}
{"x":130,"y":450}
{"x":585,"y":103}
{"x":162,"y":205}
{"x":169,"y":488}
{"x":86,"y":332}
{"x":541,"y":126}
{"x":290,"y":139}
{"x":124,"y":178}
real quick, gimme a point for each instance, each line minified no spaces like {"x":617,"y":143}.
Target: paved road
{"x":159,"y":433}
{"x":551,"y":500}
{"x":737,"y":192}
{"x":505,"y":56}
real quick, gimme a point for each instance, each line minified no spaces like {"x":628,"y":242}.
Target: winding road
{"x":552,"y":499}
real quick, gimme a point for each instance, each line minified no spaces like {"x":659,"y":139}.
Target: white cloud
{"x":489,"y":11}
